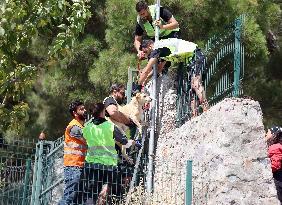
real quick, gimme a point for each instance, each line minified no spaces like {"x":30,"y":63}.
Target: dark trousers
{"x":278,"y":185}
{"x":72,"y":179}
{"x":95,"y":177}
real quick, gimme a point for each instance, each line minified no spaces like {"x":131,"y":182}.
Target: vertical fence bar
{"x":188,"y":196}
{"x":38,"y":182}
{"x":237,"y":57}
{"x":153,"y":110}
{"x":129,"y":85}
{"x":35,"y":168}
{"x":26,"y":182}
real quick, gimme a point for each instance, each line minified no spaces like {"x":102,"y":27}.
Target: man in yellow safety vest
{"x":146,"y":21}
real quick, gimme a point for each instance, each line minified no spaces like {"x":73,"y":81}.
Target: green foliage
{"x":21,"y":22}
{"x":55,"y":51}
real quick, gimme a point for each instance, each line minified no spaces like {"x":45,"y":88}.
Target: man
{"x":175,"y":50}
{"x":74,"y":152}
{"x":102,"y":158}
{"x":116,"y":98}
{"x":146,"y":21}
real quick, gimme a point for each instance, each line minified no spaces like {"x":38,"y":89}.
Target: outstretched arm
{"x":116,"y":115}
{"x":146,"y":71}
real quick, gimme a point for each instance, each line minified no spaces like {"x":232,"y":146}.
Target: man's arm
{"x":137,"y":43}
{"x":146,"y":71}
{"x":116,"y":115}
{"x":76,"y":132}
{"x":119,"y":137}
{"x":167,"y":16}
{"x":171,"y":24}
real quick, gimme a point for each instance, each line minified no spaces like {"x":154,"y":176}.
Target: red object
{"x":275,"y":155}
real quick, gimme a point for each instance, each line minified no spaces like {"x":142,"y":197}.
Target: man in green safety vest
{"x":146,"y":21}
{"x":175,"y":50}
{"x":102,"y":158}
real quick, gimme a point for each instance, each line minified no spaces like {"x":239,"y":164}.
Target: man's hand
{"x":131,"y":124}
{"x":159,"y":24}
{"x":141,"y":55}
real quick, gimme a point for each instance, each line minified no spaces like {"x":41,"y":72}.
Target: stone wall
{"x":230,"y":164}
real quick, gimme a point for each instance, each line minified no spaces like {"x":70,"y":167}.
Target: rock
{"x":230,"y":164}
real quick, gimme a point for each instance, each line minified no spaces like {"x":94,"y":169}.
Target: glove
{"x":138,"y":144}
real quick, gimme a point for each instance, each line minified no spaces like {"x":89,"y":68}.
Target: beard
{"x":83,"y":116}
{"x":120,"y":100}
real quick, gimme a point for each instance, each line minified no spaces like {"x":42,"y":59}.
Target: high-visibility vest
{"x":181,"y":50}
{"x":149,"y":28}
{"x":101,"y":144}
{"x":74,"y":148}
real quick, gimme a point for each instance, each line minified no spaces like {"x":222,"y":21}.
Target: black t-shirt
{"x":160,"y":52}
{"x":109,"y":101}
{"x":164,"y":14}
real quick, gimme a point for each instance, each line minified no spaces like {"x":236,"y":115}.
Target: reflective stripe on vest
{"x":93,"y":148}
{"x":149,"y":28}
{"x":76,"y":152}
{"x":74,"y":148}
{"x":95,"y":154}
{"x":101,"y":145}
{"x":74,"y":145}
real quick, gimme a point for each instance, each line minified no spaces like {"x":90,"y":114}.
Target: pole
{"x":188,"y":196}
{"x":153,"y":111}
{"x":26,"y":181}
{"x":237,"y":57}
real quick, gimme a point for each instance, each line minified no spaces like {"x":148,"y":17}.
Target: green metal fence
{"x":16,"y":161}
{"x":223,"y":71}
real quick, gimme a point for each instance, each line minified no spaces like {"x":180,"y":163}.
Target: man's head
{"x":98,"y":110}
{"x":147,"y":46}
{"x":143,"y":10}
{"x":77,"y":110}
{"x":118,"y":92}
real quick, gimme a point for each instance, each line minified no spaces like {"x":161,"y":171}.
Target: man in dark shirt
{"x":115,"y":99}
{"x":153,"y":56}
{"x":146,"y":24}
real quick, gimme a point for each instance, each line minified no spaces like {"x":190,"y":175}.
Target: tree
{"x":21,"y":22}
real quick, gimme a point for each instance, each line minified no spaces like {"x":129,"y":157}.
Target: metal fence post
{"x":35,"y":166}
{"x":237,"y":57}
{"x":153,"y":111}
{"x":188,"y":195}
{"x":26,"y":182}
{"x":38,"y":172}
{"x":129,"y":85}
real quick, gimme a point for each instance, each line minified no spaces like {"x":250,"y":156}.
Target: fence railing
{"x":223,"y":72}
{"x":16,"y":161}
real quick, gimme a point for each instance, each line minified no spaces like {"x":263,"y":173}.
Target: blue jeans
{"x":72,"y":178}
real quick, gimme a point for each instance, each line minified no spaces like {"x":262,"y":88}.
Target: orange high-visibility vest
{"x":74,"y":148}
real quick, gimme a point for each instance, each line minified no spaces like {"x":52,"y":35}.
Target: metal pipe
{"x":188,"y":195}
{"x":26,"y":181}
{"x":153,"y":111}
